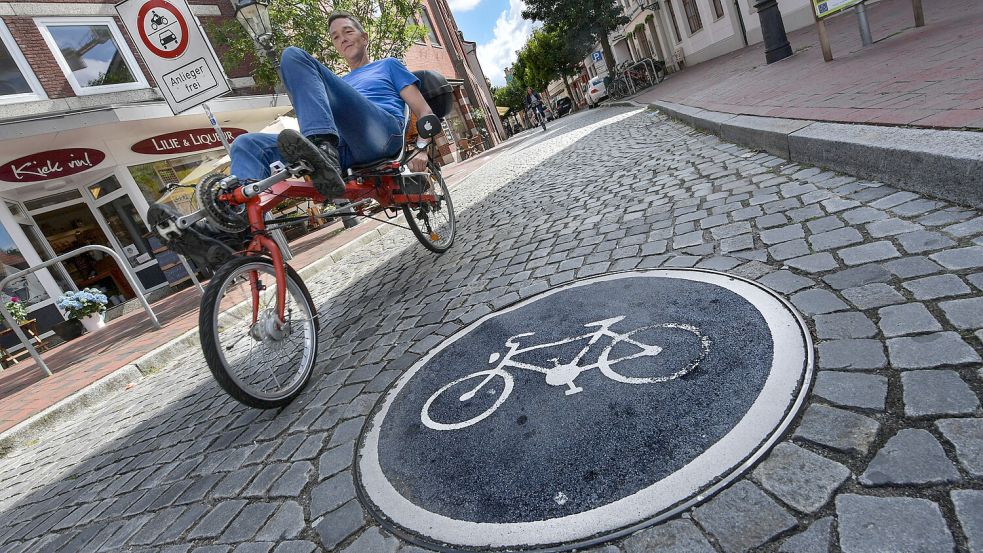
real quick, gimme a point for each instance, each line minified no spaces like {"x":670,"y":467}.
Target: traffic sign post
{"x":176,"y":51}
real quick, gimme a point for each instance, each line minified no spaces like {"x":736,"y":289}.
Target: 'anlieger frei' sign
{"x":176,"y":51}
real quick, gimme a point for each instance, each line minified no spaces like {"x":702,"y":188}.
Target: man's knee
{"x":292,"y":55}
{"x":242,"y":143}
{"x":250,"y":145}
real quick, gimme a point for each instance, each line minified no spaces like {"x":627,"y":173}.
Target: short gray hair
{"x":341,"y":14}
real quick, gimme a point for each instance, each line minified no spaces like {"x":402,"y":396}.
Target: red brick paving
{"x":929,"y":77}
{"x":24,"y":391}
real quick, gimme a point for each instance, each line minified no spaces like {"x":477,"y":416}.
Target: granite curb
{"x":153,"y":361}
{"x":946,"y":164}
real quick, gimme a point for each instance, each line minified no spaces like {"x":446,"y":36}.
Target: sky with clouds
{"x":498,"y":28}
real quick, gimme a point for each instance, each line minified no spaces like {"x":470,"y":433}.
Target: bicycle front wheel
{"x":433,"y":224}
{"x":699,"y":342}
{"x":258,"y":359}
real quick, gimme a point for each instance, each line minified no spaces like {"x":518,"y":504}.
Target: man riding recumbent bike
{"x":258,"y":323}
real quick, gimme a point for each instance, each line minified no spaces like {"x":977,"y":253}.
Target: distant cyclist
{"x":534,"y":103}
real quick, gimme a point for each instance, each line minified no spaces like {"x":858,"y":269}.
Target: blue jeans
{"x":325,"y":104}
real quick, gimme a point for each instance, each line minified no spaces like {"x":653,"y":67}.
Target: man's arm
{"x":419,"y":106}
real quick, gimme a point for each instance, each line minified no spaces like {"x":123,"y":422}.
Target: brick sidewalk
{"x":24,"y":391}
{"x":930,"y":76}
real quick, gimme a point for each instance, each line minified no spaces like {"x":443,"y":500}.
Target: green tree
{"x":512,"y":95}
{"x":595,"y":18}
{"x":391,"y":25}
{"x":553,"y":54}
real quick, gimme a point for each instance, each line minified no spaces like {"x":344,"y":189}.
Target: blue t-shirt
{"x":380,"y":82}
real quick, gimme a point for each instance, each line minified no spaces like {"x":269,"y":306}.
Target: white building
{"x":87,"y":141}
{"x":686,"y":32}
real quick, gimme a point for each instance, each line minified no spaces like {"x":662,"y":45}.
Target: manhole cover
{"x":585,"y":412}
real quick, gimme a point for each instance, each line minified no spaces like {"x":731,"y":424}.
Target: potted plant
{"x":87,"y":306}
{"x":16,"y":309}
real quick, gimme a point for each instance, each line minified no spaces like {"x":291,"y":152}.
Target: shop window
{"x":14,"y":208}
{"x":26,"y":288}
{"x":429,"y":25}
{"x":104,"y":187}
{"x":71,"y":227}
{"x":57,"y":271}
{"x":128,"y":228}
{"x":692,"y":15}
{"x":672,"y":17}
{"x":718,"y":9}
{"x":17,"y":81}
{"x":154,"y":178}
{"x":53,"y":199}
{"x":92,"y":54}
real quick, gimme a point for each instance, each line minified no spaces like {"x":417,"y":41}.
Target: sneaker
{"x":327,"y":179}
{"x":205,"y":247}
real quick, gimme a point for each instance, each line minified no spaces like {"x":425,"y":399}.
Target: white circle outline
{"x":751,"y":437}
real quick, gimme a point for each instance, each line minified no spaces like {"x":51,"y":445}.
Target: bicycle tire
{"x":209,"y":327}
{"x":416,"y":214}
{"x":605,"y":364}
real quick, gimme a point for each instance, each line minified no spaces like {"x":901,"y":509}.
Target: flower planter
{"x":93,"y":322}
{"x":68,"y":330}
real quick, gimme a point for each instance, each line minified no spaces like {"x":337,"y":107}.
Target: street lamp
{"x":254,"y":16}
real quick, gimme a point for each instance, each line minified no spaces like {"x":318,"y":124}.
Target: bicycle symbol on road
{"x":566,"y":373}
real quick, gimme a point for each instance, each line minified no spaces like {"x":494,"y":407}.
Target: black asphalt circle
{"x":585,"y":411}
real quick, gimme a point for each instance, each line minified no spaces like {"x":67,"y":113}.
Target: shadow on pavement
{"x":192,"y":450}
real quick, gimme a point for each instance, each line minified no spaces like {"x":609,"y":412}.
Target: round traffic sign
{"x":586,"y":411}
{"x":163,"y":29}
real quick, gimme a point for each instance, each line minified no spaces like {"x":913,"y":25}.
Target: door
{"x":69,"y":226}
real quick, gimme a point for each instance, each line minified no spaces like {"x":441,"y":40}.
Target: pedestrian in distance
{"x":534,"y":104}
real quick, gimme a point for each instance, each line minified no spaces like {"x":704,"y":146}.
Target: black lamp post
{"x":254,"y":16}
{"x":773,"y":31}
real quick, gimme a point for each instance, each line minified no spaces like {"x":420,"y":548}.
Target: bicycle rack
{"x":127,"y":270}
{"x":649,"y":68}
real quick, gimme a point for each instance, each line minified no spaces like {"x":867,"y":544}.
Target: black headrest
{"x":438,"y":93}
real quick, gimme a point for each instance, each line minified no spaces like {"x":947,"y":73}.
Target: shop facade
{"x":87,"y":143}
{"x":93,"y":184}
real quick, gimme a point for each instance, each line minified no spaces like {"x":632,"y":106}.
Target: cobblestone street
{"x":887,"y":455}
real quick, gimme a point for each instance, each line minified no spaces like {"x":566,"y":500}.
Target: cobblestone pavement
{"x":886,"y":456}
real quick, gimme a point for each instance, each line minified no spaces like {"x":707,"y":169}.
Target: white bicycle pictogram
{"x":565,"y":374}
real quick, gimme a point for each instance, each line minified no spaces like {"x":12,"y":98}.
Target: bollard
{"x":865,"y":37}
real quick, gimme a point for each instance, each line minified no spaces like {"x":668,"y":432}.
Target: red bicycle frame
{"x":383,"y":188}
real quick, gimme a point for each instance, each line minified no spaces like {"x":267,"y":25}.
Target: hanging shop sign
{"x":181,"y":142}
{"x":829,"y":7}
{"x":52,"y":164}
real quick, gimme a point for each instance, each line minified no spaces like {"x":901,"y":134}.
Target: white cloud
{"x":463,"y":5}
{"x":511,"y":32}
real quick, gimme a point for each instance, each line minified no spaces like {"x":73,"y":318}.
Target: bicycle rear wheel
{"x":433,"y":224}
{"x":263,"y":364}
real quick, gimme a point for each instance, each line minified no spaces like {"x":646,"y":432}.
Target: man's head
{"x":349,"y":37}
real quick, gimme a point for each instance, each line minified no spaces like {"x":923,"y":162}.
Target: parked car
{"x":596,"y":91}
{"x":563,"y":106}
